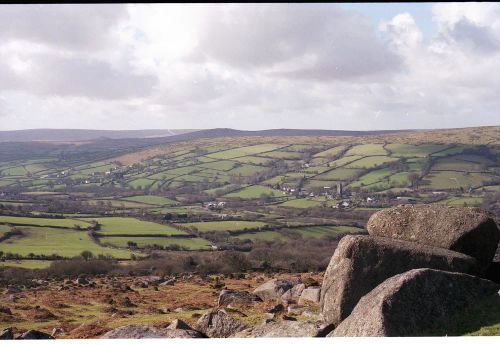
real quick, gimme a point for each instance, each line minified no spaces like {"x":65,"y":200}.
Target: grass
{"x":246,"y":170}
{"x":371,"y":177}
{"x":132,"y":226}
{"x":322,"y":230}
{"x":48,"y":241}
{"x":452,"y":163}
{"x":189,"y":243}
{"x":244,"y":151}
{"x":252,"y":160}
{"x":330,"y":152}
{"x":222,"y":165}
{"x":228,"y":225}
{"x":344,"y":161}
{"x":341,"y":174}
{"x":407,"y":150}
{"x":67,"y":223}
{"x":261,"y":235}
{"x":367,"y":150}
{"x":151,"y":199}
{"x":469,"y":200}
{"x":283,"y":155}
{"x":252,"y":192}
{"x":141,"y":182}
{"x":28,"y":264}
{"x":301,"y":203}
{"x":453,"y":180}
{"x":371,"y":162}
{"x":312,"y":183}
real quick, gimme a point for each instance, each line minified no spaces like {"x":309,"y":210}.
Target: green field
{"x":455,"y":180}
{"x":188,"y":243}
{"x":67,"y":223}
{"x":339,"y":174}
{"x":228,"y":225}
{"x":151,"y":199}
{"x":406,"y":150}
{"x":330,"y":152}
{"x":261,"y":235}
{"x":370,"y":162}
{"x":29,"y":264}
{"x":367,"y":150}
{"x":48,"y":241}
{"x":252,"y":192}
{"x":322,"y":230}
{"x":124,"y":225}
{"x":300,"y":203}
{"x":244,"y":151}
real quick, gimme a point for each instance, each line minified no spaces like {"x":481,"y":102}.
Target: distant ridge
{"x":46,"y":134}
{"x":158,"y":136}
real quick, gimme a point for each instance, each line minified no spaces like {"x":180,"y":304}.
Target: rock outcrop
{"x":140,"y":332}
{"x":311,"y":294}
{"x":413,"y":303}
{"x":360,"y":263}
{"x":283,"y":329}
{"x":273,"y":289}
{"x":467,"y":230}
{"x":227,"y":297}
{"x":7,"y":334}
{"x":34,"y":334}
{"x":218,"y":324}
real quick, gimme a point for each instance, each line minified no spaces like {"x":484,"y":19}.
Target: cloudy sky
{"x":325,"y":66}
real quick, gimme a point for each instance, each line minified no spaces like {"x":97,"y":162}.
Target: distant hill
{"x":46,"y":134}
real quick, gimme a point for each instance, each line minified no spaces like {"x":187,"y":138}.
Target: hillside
{"x":229,"y":192}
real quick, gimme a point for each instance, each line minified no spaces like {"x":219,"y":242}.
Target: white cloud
{"x":246,"y":66}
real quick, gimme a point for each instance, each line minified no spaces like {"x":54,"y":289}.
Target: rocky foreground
{"x":419,"y":270}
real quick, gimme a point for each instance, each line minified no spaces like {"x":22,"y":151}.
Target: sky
{"x":250,"y":66}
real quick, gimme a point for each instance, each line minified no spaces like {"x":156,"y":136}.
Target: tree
{"x":87,"y":255}
{"x":414,"y":179}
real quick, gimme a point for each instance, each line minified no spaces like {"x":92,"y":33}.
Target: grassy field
{"x":125,"y":225}
{"x":320,"y":230}
{"x":188,"y":243}
{"x":370,"y":162}
{"x":151,"y":199}
{"x":228,"y":225}
{"x":331,"y":151}
{"x":301,"y":203}
{"x":341,"y":174}
{"x":252,"y":192}
{"x":244,"y":151}
{"x":67,"y":223}
{"x":454,"y":180}
{"x":48,"y":241}
{"x":28,"y":264}
{"x":367,"y":150}
{"x":261,"y":235}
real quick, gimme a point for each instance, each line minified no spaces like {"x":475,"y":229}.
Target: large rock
{"x":227,"y":297}
{"x":34,"y":334}
{"x":467,"y":230}
{"x":179,"y":324}
{"x":7,"y":334}
{"x":139,"y":332}
{"x":217,"y":324}
{"x":413,"y":303}
{"x":360,"y":263}
{"x":273,"y":289}
{"x":311,"y":294}
{"x":287,"y":329}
